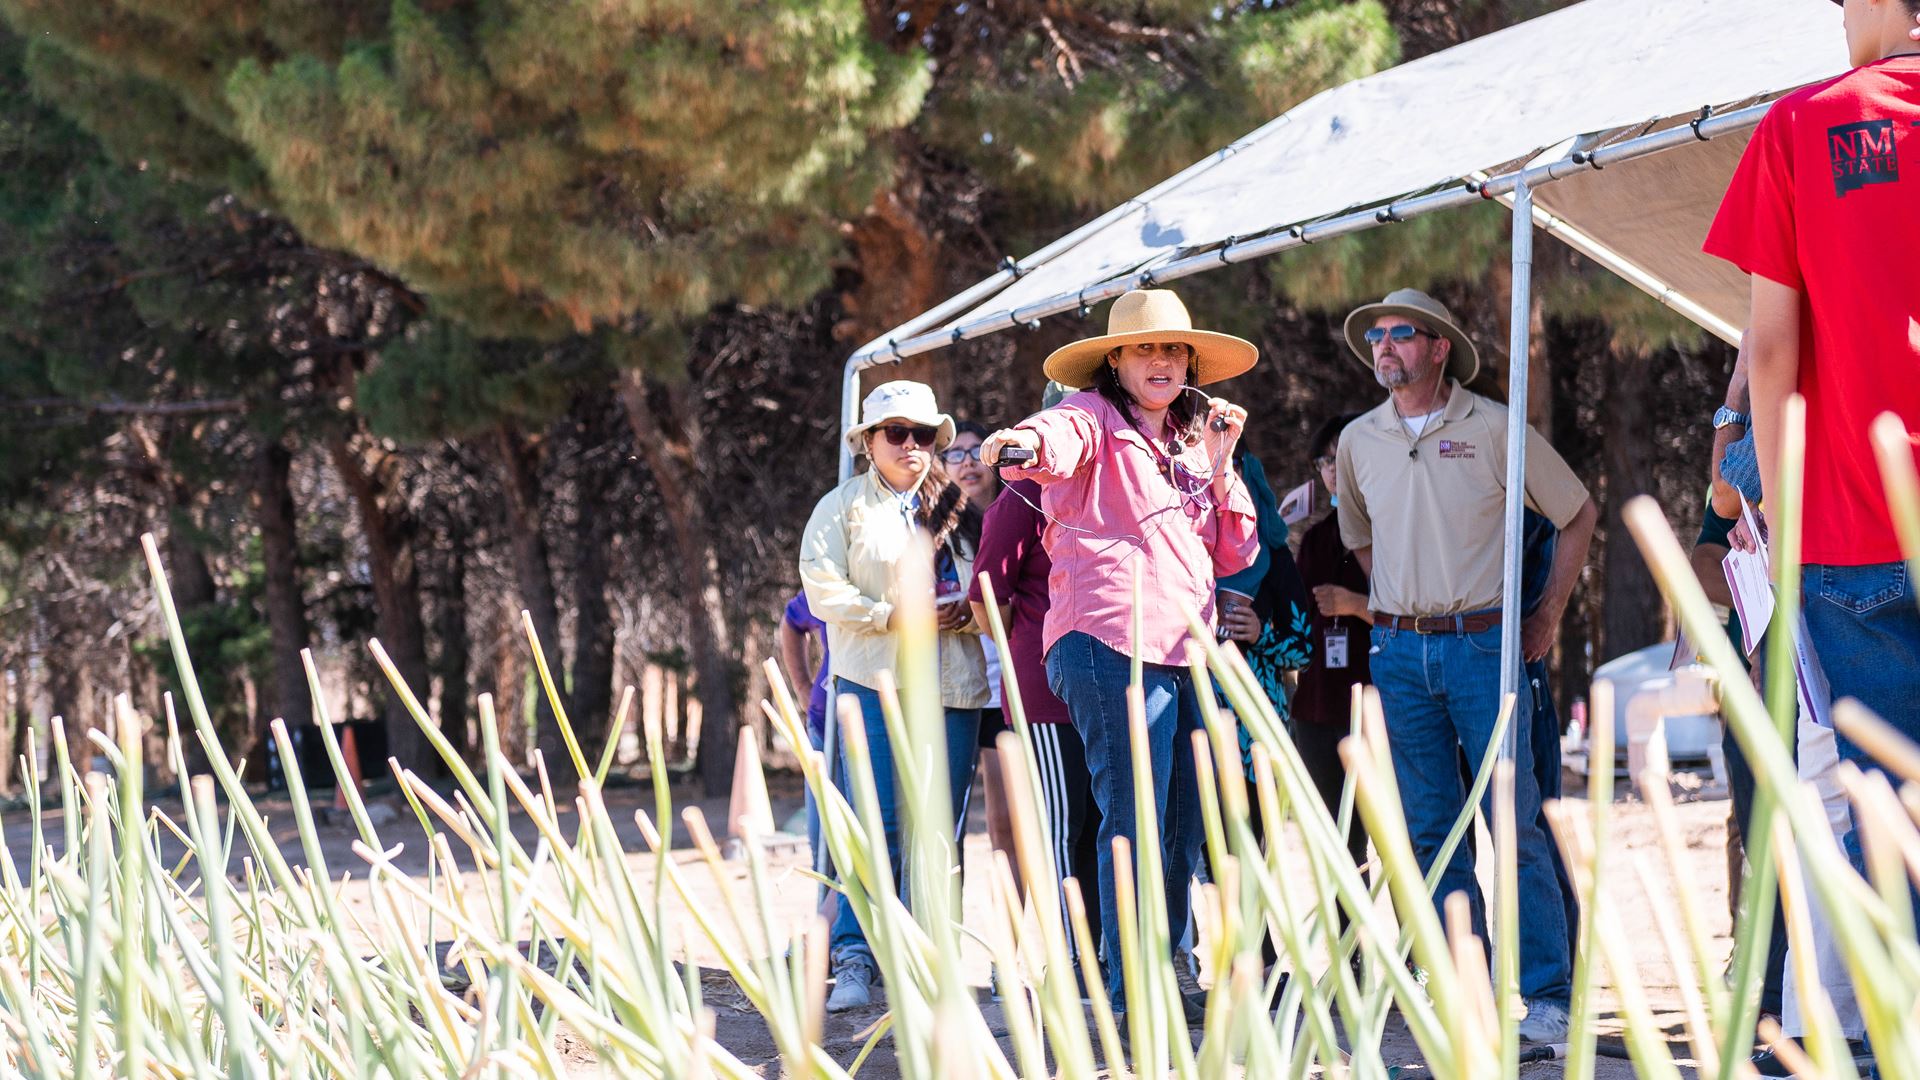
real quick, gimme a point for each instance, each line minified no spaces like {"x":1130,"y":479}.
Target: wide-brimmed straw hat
{"x":1151,"y":315}
{"x":1463,"y":361}
{"x":901,"y":399}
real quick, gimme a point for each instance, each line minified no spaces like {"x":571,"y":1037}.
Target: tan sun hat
{"x":901,"y":399}
{"x":1151,"y":315}
{"x":1463,"y":360}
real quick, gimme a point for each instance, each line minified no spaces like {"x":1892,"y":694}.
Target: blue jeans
{"x":1865,"y":628}
{"x":1546,"y":774}
{"x":817,"y":738}
{"x":1092,"y":678}
{"x":849,"y":939}
{"x":1441,"y":695}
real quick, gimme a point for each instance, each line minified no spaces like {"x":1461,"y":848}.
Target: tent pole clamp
{"x":1706,"y":114}
{"x":1299,"y":232}
{"x":1012,"y":266}
{"x":1226,"y":247}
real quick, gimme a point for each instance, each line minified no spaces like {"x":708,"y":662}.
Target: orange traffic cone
{"x":350,"y":750}
{"x":749,"y":811}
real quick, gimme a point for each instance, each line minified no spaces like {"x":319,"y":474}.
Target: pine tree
{"x":1089,"y":109}
{"x":532,"y":168}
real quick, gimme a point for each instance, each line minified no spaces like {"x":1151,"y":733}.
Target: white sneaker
{"x":1545,"y":1022}
{"x":852,"y":986}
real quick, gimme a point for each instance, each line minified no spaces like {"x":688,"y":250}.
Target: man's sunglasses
{"x":898,"y":434}
{"x":1401,"y":333}
{"x":956,"y":455}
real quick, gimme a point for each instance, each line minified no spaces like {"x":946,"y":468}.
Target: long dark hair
{"x":1181,"y":415}
{"x":944,"y":510}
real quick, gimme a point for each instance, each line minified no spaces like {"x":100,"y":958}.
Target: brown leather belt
{"x":1439,"y":624}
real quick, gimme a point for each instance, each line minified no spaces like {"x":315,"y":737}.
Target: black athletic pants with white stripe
{"x":1066,"y":785}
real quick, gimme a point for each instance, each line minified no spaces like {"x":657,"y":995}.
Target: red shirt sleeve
{"x":1008,"y":529}
{"x":1755,"y":228}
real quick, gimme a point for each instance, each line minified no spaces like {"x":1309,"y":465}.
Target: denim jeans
{"x":1741,"y":790}
{"x":963,"y":742}
{"x":1546,"y":774}
{"x":825,"y":860}
{"x":1092,"y":678}
{"x":1441,"y":695}
{"x":1865,"y":628}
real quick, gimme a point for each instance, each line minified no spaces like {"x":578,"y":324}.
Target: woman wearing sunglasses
{"x":1137,"y":486}
{"x":854,"y":541}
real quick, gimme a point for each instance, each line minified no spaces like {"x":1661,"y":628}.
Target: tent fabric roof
{"x":1593,"y":71}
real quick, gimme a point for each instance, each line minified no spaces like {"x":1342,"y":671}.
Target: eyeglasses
{"x":1324,"y":461}
{"x":1401,"y":333}
{"x":955,"y":455}
{"x":898,"y":434}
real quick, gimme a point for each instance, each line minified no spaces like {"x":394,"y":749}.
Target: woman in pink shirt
{"x":1136,"y":486}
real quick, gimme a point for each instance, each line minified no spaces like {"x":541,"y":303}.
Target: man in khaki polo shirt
{"x":1422,"y":483}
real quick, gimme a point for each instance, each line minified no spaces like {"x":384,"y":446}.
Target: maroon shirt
{"x":1325,"y":695}
{"x":1012,"y":555}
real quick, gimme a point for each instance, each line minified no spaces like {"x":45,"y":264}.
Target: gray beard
{"x":1395,"y":382}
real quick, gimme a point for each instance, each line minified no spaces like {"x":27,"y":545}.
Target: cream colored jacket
{"x":855,"y":536}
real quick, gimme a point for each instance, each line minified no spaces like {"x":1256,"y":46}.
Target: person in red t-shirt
{"x":1824,"y":213}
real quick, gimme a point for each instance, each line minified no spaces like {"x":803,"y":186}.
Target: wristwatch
{"x":1725,"y":417}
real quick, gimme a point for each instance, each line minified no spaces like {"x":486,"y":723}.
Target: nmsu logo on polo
{"x":1454,"y":448}
{"x":1862,"y":154}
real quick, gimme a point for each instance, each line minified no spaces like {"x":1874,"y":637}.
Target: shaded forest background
{"x":395,"y":318}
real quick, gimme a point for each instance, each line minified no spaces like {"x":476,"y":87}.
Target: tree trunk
{"x":593,"y":622}
{"x":193,"y":594}
{"x":67,"y":689}
{"x":670,"y":441}
{"x":13,"y":687}
{"x":450,"y":627}
{"x":1631,"y":611}
{"x":533,"y":572}
{"x":371,"y":474}
{"x":290,"y":698}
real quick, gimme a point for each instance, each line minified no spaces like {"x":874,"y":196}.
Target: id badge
{"x":1336,"y":652}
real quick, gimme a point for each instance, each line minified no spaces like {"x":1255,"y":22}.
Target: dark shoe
{"x":1279,"y":990}
{"x":1767,"y":1063}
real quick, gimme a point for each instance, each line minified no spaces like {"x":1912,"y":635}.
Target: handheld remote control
{"x":1013,"y":455}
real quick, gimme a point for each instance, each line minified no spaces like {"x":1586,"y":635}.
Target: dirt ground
{"x":1702,"y":815}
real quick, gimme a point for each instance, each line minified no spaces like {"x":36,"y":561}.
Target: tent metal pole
{"x":1517,"y":365}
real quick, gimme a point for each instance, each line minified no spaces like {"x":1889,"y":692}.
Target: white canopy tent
{"x":1628,"y":116}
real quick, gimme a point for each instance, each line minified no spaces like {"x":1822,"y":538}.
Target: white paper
{"x":1752,"y":585}
{"x":1816,"y":696}
{"x":1297,"y":504}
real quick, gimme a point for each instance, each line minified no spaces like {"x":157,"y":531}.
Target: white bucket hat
{"x":900,"y":400}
